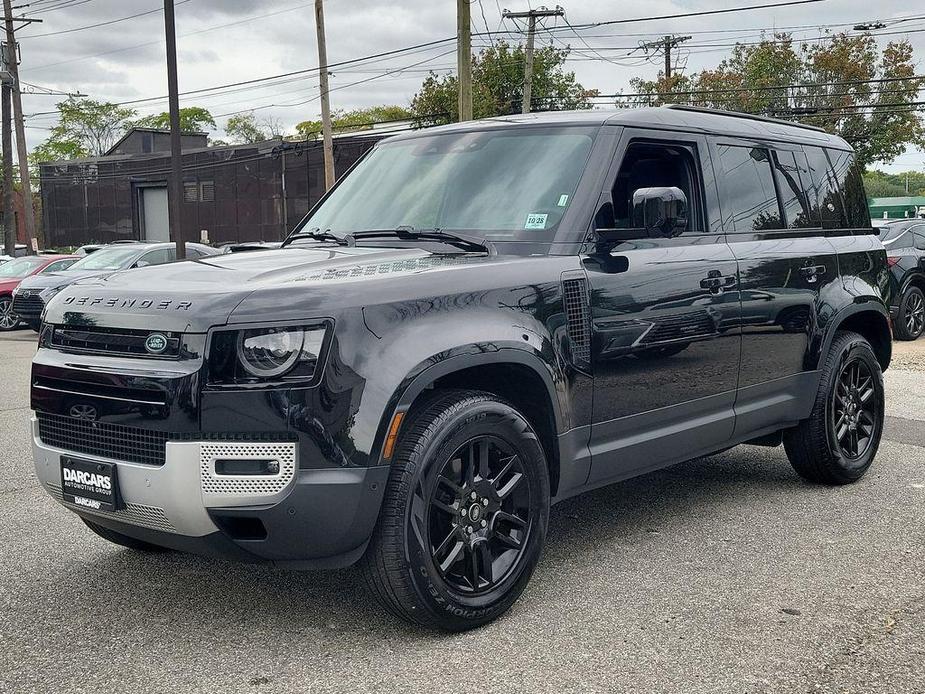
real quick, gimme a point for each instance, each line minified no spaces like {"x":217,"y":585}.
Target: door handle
{"x":811,"y":272}
{"x":717,"y":283}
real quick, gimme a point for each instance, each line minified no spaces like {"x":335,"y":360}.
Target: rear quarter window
{"x":851,"y":185}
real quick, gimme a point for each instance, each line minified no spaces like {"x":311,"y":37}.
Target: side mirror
{"x":660,"y":211}
{"x":142,"y":263}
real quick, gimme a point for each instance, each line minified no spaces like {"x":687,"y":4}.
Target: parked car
{"x":5,"y":259}
{"x":905,"y":247}
{"x":477,"y":322}
{"x":15,"y":271}
{"x":32,"y":294}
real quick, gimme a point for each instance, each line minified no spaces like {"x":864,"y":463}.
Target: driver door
{"x":665,"y":340}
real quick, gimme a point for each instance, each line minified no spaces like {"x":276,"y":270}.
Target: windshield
{"x":106,"y":259}
{"x":514,"y":184}
{"x":21,"y":267}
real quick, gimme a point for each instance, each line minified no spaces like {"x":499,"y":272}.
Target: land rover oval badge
{"x":156,"y":343}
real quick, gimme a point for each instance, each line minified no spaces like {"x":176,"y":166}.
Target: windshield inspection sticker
{"x":535,"y":221}
{"x":563,"y":200}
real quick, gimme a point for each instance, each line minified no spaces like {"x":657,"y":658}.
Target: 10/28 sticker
{"x":535,"y":221}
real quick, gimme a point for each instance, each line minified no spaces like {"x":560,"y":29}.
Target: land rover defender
{"x":476,"y":322}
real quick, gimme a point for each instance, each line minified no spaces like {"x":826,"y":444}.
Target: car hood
{"x":193,"y":296}
{"x":57,"y":279}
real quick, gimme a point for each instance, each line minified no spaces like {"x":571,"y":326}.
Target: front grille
{"x":114,"y":441}
{"x":28,"y":305}
{"x":116,"y":341}
{"x":684,"y":326}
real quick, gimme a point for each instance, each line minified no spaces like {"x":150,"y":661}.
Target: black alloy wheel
{"x":464,"y":514}
{"x":8,"y":319}
{"x":911,"y":320}
{"x":478,"y":515}
{"x":855,"y":412}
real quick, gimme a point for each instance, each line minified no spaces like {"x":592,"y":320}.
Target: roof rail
{"x":748,"y":116}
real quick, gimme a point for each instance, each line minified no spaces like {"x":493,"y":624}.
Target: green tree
{"x":352,"y":121}
{"x":192,"y":119}
{"x":85,"y":128}
{"x":244,"y":129}
{"x":497,"y":86}
{"x":877,"y":117}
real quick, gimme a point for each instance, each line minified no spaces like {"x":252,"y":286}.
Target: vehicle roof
{"x":690,"y":119}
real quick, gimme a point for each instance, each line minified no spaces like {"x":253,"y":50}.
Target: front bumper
{"x":303,"y":517}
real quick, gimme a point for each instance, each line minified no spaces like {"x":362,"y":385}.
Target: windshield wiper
{"x":406,"y":233}
{"x":318,"y":235}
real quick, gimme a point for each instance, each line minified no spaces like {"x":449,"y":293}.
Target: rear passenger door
{"x":774,"y":225}
{"x":665,"y":354}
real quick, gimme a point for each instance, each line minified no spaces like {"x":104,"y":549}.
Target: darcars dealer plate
{"x":94,"y":486}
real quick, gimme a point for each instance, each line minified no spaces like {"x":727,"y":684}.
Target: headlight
{"x":46,"y":294}
{"x":284,"y":353}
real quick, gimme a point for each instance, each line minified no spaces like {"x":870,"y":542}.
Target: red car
{"x":14,"y":271}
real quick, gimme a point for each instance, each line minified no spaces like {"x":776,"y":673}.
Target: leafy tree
{"x":352,"y":121}
{"x":497,"y":86}
{"x":85,"y":128}
{"x":244,"y":129}
{"x":877,"y":118}
{"x":192,"y":119}
{"x":881,"y":184}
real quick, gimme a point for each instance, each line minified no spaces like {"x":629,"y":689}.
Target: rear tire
{"x":910,"y":321}
{"x":838,"y":442}
{"x":122,"y":540}
{"x":465,"y":513}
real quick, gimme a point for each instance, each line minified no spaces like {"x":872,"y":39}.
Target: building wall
{"x":235,"y":193}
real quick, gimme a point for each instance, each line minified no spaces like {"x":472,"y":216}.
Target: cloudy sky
{"x":113,"y":49}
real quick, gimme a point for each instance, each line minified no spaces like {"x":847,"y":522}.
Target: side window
{"x":848,"y":178}
{"x":749,"y":198}
{"x":158,"y":257}
{"x":827,"y":199}
{"x":653,"y":165}
{"x":796,"y":190}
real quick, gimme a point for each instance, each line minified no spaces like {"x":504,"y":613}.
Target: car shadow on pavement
{"x":173,"y":595}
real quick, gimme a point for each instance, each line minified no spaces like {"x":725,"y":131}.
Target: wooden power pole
{"x":21,"y":153}
{"x":464,"y":58}
{"x":6,"y":142}
{"x":327,"y":135}
{"x":665,"y":44}
{"x":175,"y":190}
{"x":531,"y":18}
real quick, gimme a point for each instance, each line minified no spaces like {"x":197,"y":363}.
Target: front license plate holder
{"x":90,"y":484}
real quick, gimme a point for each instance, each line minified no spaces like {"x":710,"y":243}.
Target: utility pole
{"x":531,"y":18}
{"x":21,"y":154}
{"x":464,"y":58}
{"x":175,"y":190}
{"x":665,"y":44}
{"x":326,"y":129}
{"x":9,"y":214}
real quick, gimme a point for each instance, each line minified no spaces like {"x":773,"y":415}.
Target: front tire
{"x":838,"y":442}
{"x":8,"y":319}
{"x":120,"y":539}
{"x":911,"y":319}
{"x":465,"y":513}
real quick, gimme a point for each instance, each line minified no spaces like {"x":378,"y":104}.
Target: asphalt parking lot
{"x":725,"y":574}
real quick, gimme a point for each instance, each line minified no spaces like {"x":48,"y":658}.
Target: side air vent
{"x":578,"y":319}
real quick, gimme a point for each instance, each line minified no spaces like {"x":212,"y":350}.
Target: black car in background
{"x":30,"y":297}
{"x":904,"y":241}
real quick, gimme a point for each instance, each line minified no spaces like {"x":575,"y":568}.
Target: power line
{"x":101,"y":24}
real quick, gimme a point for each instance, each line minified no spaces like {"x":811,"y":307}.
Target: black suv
{"x":904,"y":241}
{"x":477,"y":322}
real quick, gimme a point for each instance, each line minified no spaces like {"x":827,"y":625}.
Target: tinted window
{"x":826,"y":201}
{"x":796,"y":190}
{"x":850,"y":183}
{"x":652,"y":165}
{"x":158,"y":257}
{"x":750,"y":199}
